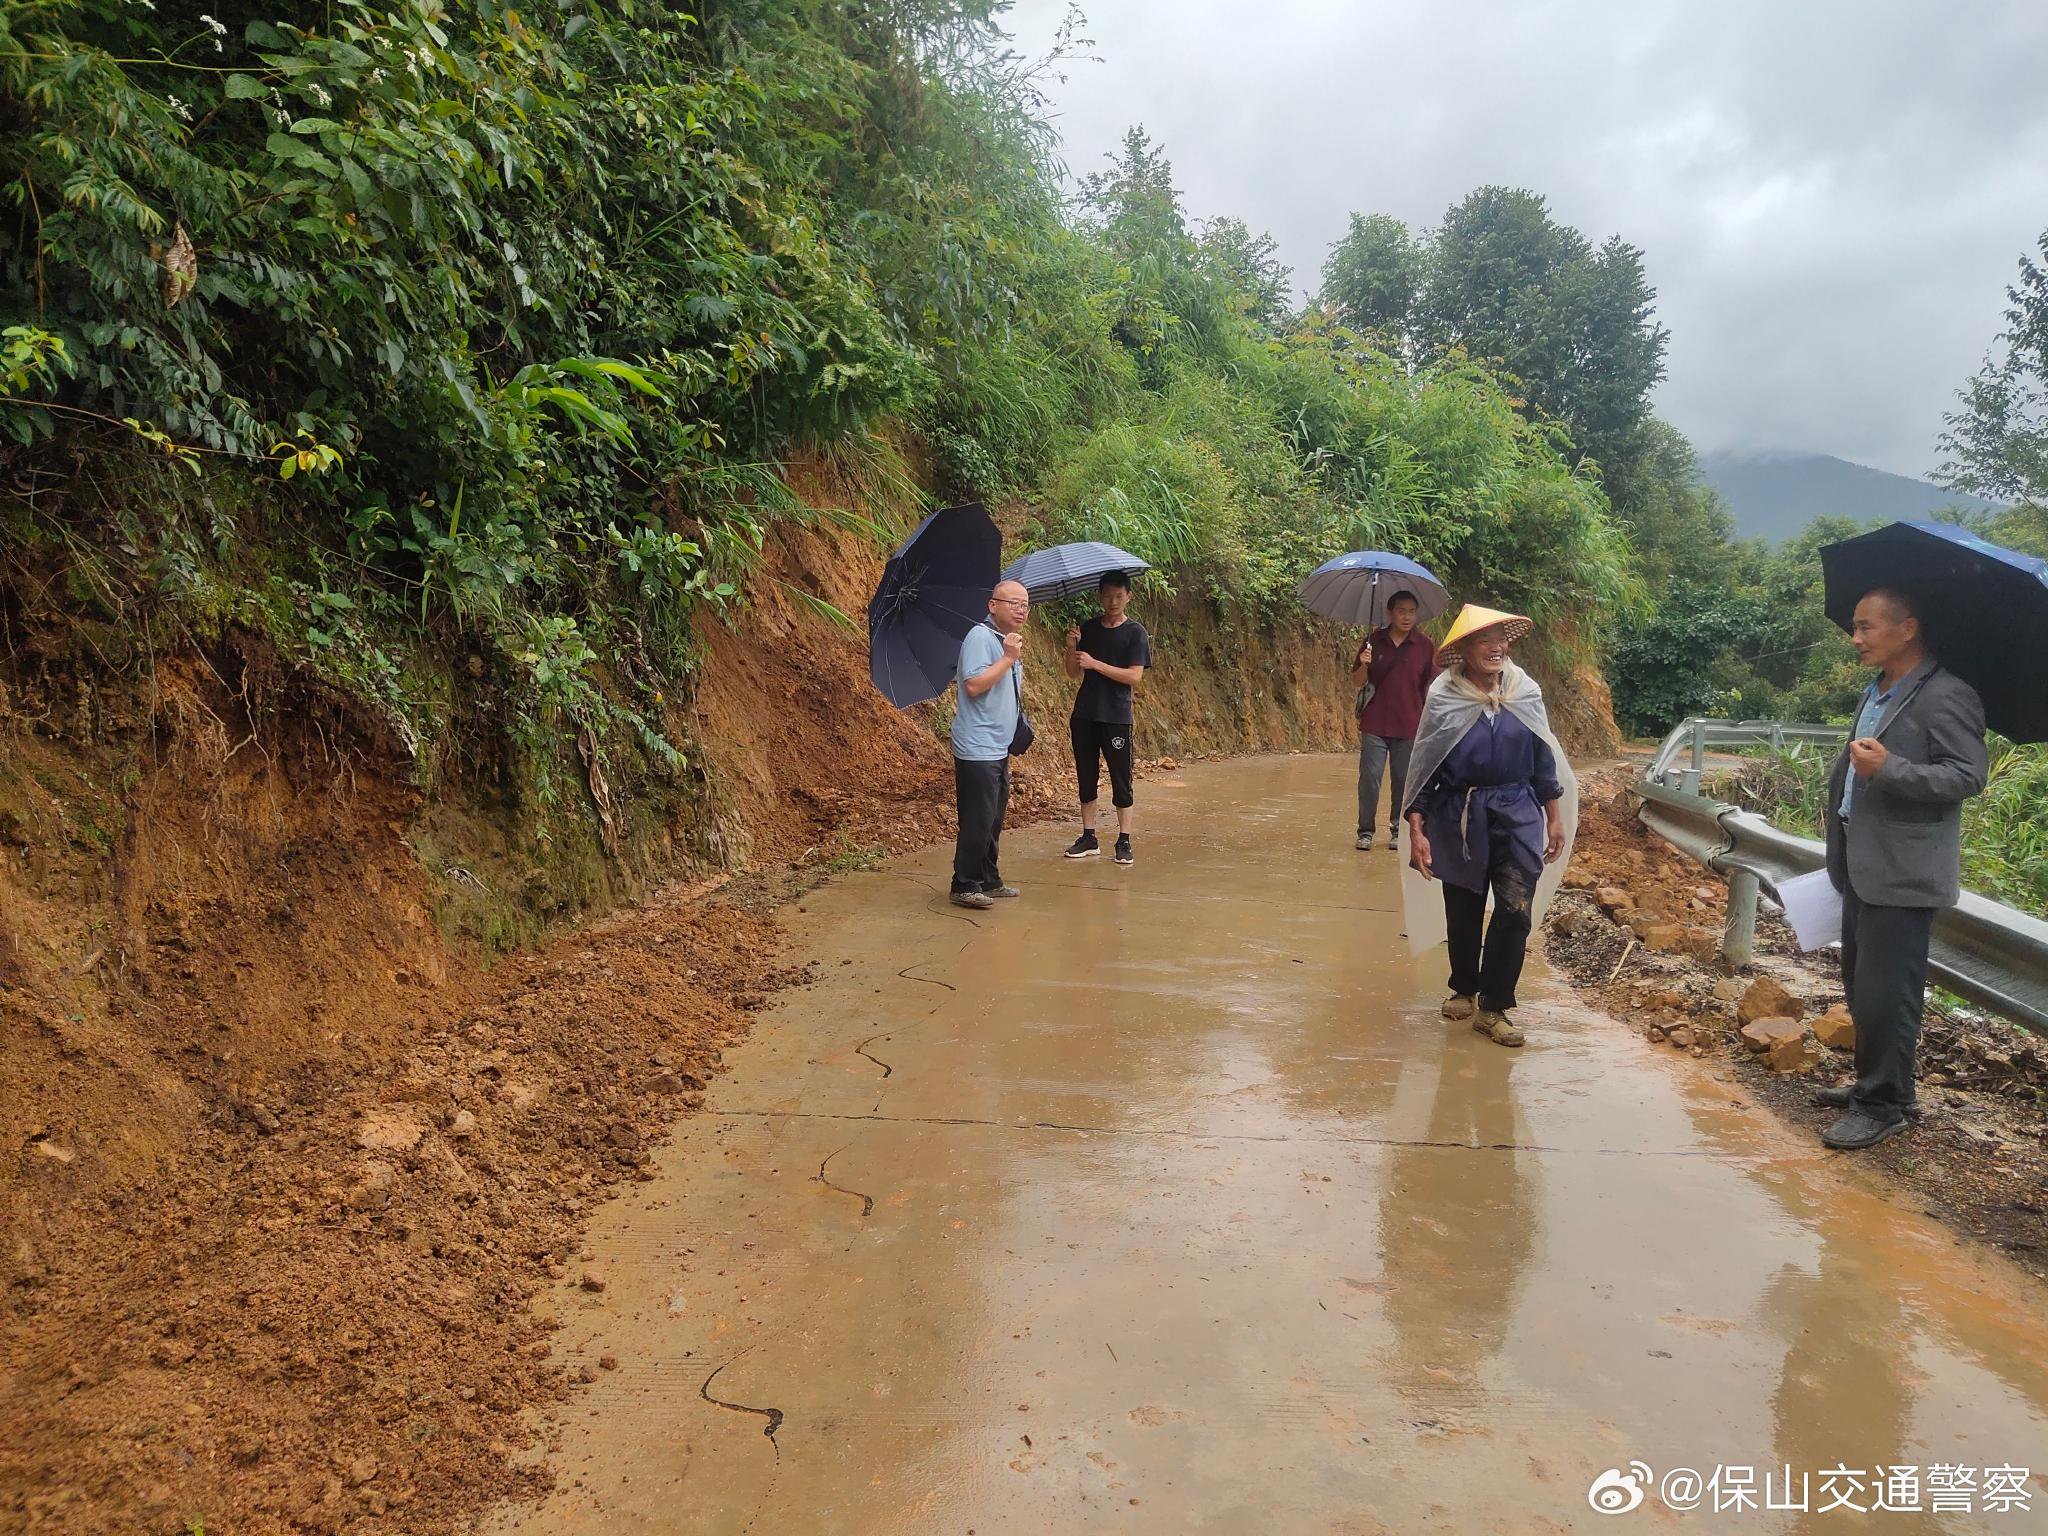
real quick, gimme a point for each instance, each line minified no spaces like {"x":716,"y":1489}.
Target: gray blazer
{"x":1903,"y":844}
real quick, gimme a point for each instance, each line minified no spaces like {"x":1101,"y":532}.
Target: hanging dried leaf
{"x":600,"y":792}
{"x":181,"y":269}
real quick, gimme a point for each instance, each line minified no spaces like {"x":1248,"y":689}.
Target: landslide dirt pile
{"x":328,"y":1320}
{"x":284,"y":1172}
{"x":312,"y":1298}
{"x":1638,"y":928}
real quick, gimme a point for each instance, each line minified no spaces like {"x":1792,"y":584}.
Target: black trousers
{"x":982,"y":793}
{"x":1884,"y":971}
{"x":1490,"y":967}
{"x":1111,"y":744}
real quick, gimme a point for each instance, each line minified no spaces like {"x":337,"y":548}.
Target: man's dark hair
{"x":1902,"y":604}
{"x":1114,"y":579}
{"x":1398,"y":596}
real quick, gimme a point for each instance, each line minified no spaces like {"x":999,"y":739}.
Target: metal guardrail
{"x":1991,"y":954}
{"x":1697,"y":737}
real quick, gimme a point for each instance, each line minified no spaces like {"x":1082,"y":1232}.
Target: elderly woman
{"x":1491,"y":802}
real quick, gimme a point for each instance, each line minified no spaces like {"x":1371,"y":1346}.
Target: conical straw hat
{"x":1472,"y":618}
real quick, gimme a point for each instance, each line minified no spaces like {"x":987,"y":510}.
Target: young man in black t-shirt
{"x":1109,"y":655}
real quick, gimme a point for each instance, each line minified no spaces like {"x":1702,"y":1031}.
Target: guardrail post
{"x":1738,"y":939}
{"x":1699,"y":749}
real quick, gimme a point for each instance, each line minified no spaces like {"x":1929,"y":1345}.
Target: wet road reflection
{"x":1162,"y":1201}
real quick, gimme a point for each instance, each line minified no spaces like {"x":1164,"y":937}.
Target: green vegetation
{"x":458,"y":349}
{"x":2005,"y":839}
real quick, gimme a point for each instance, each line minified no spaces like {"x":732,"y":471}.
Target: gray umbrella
{"x":1064,"y":569}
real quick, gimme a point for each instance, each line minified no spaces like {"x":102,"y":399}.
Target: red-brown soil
{"x":284,"y":1172}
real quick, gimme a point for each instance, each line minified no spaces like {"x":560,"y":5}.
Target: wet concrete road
{"x":1162,"y":1201}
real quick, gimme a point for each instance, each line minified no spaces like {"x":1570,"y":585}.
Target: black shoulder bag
{"x":1020,"y":741}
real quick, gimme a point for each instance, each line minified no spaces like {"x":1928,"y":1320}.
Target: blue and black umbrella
{"x":934,"y":589}
{"x":1064,"y":569}
{"x":1354,"y":588}
{"x":1984,"y":609}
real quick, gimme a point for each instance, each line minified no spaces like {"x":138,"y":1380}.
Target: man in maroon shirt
{"x":1399,"y":662}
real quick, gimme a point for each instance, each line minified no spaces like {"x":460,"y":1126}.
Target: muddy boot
{"x":1460,"y":1006}
{"x":1497,"y":1027}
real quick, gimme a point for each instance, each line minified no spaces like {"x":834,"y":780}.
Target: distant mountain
{"x":1775,"y":494}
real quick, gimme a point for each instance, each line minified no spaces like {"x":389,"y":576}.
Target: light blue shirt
{"x":983,"y":728}
{"x":1867,"y":718}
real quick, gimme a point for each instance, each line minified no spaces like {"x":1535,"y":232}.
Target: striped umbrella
{"x":1064,"y":569}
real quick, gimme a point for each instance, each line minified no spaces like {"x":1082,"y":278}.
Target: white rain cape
{"x":1451,"y":708}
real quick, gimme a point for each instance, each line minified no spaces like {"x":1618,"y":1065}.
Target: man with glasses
{"x":988,"y":701}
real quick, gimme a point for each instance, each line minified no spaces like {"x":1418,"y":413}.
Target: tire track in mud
{"x":867,"y":1201}
{"x":774,"y":1416}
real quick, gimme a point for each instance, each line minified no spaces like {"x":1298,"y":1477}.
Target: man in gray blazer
{"x":1894,"y":824}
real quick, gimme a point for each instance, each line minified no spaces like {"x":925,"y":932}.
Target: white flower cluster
{"x":217,"y":28}
{"x":179,"y":109}
{"x":320,"y":96}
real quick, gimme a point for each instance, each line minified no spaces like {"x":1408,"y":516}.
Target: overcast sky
{"x":1832,"y":194}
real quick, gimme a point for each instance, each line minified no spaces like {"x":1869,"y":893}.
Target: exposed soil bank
{"x":1640,"y":934}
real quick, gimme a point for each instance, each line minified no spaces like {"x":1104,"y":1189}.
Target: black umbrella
{"x":934,"y":589}
{"x":1984,"y":609}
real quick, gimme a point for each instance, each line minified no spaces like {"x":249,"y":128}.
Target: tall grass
{"x":2005,"y":829}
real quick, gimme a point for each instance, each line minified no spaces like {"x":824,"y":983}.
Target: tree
{"x":1250,"y":265}
{"x":1573,"y":323}
{"x":1133,"y":206}
{"x":1679,"y":527}
{"x":1374,"y":277}
{"x":1133,"y":210}
{"x":1997,"y":444}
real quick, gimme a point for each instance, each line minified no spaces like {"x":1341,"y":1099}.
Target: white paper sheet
{"x":1814,"y":909}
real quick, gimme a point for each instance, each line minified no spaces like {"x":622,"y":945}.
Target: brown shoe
{"x":1460,"y":1006}
{"x":1497,"y":1027}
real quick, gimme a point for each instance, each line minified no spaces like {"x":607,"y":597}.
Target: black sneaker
{"x":1844,"y":1095}
{"x":1856,"y":1130}
{"x":1085,"y":847}
{"x":1123,"y":851}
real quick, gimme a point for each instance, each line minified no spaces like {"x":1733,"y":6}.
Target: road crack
{"x":928,"y":981}
{"x":772,"y":1415}
{"x":867,"y":1201}
{"x":1179,"y":1133}
{"x":862,"y":1050}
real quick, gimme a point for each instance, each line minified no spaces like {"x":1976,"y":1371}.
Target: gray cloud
{"x":1832,"y":195}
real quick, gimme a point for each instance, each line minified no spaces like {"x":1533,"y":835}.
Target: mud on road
{"x":325,"y":1322}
